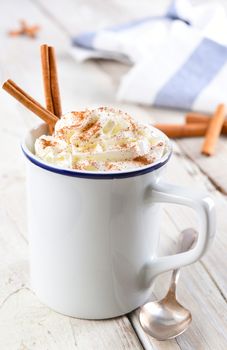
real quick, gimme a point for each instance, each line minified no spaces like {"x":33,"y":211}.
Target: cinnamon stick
{"x":29,"y":102}
{"x":193,"y":117}
{"x":50,"y":80}
{"x":183,"y":130}
{"x":213,"y":131}
{"x":46,"y":77}
{"x":54,"y":82}
{"x":203,"y":118}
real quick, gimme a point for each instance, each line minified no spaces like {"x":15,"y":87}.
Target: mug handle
{"x":204,"y":207}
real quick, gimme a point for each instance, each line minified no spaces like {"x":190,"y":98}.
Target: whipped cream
{"x":102,"y":139}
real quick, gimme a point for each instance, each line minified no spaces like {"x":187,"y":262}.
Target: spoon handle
{"x":186,"y":241}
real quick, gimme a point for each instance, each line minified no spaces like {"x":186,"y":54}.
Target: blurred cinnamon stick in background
{"x":213,"y":131}
{"x":183,"y":130}
{"x":192,"y":118}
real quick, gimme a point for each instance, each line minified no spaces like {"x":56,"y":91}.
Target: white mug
{"x":94,"y":236}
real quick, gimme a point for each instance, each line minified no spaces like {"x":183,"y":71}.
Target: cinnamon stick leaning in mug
{"x":214,"y":130}
{"x":193,"y":118}
{"x":50,"y":80}
{"x":29,"y":102}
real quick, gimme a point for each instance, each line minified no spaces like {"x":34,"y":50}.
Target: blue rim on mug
{"x":98,"y":175}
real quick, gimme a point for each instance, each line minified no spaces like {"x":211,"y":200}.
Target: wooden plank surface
{"x":27,"y":324}
{"x":202,"y":287}
{"x":215,"y":166}
{"x":24,"y":322}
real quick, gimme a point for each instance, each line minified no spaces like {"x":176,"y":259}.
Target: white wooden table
{"x":27,"y":324}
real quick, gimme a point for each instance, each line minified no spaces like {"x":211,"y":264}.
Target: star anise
{"x":26,"y":30}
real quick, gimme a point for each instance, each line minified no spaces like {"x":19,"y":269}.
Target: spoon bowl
{"x":165,"y":319}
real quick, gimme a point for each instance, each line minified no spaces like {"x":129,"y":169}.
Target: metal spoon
{"x":166,"y":319}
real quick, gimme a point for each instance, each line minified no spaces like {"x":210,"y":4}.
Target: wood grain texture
{"x":24,"y":322}
{"x":27,"y":324}
{"x":215,"y":166}
{"x":188,"y":174}
{"x":202,"y":286}
{"x":98,"y":14}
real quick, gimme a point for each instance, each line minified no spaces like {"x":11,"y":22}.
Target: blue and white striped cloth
{"x":178,"y":60}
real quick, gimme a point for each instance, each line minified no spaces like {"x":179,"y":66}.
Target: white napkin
{"x":178,"y":60}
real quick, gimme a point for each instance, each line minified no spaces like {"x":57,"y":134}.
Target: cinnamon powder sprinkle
{"x":87,"y":134}
{"x":48,"y":143}
{"x":90,"y":130}
{"x":143,"y":160}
